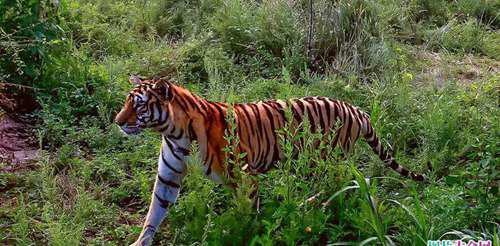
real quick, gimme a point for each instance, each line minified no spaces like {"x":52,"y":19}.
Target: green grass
{"x":406,"y":63}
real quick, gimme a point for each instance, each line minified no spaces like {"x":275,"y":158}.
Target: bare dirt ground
{"x":440,"y":68}
{"x":18,"y":142}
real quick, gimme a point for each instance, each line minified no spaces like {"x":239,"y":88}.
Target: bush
{"x":347,"y":38}
{"x":26,"y":27}
{"x":485,"y":11}
{"x":490,"y":45}
{"x":467,"y":37}
{"x":270,"y":32}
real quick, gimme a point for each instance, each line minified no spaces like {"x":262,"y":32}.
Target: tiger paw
{"x":145,"y":239}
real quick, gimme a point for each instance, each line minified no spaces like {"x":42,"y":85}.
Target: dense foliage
{"x":427,"y":71}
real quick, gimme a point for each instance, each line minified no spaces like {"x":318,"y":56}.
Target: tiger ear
{"x":134,"y":79}
{"x":163,"y":89}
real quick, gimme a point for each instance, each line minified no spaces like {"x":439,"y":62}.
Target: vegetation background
{"x":427,"y":71}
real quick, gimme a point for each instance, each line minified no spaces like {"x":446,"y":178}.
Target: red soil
{"x":18,"y":143}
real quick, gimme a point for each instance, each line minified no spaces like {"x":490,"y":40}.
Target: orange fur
{"x":257,"y":123}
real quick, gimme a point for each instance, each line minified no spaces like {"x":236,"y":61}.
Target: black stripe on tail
{"x":384,"y":155}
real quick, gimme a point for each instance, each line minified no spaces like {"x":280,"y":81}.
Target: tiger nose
{"x":121,"y":117}
{"x":119,"y":120}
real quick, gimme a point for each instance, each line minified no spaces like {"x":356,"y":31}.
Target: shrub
{"x":485,"y":11}
{"x":347,"y":37}
{"x":467,"y":37}
{"x":176,"y":19}
{"x":25,"y":29}
{"x":490,"y":45}
{"x":434,"y":11}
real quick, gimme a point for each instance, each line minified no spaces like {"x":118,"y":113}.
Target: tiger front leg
{"x":171,"y":169}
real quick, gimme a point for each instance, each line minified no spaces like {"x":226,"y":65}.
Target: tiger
{"x":182,"y":117}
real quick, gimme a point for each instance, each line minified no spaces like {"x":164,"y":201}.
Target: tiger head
{"x":146,"y":106}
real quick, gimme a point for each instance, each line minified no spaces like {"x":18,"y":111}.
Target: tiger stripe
{"x":182,"y":117}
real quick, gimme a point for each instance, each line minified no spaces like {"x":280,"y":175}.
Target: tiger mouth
{"x":130,"y":129}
